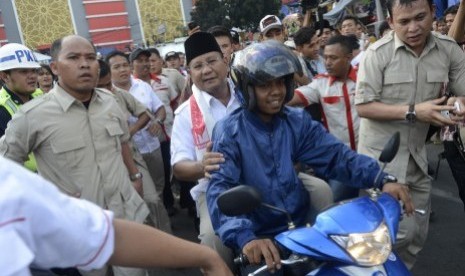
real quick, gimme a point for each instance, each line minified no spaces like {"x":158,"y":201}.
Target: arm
{"x":137,"y":109}
{"x":334,"y":160}
{"x":235,"y":231}
{"x":141,"y":123}
{"x":305,"y":95}
{"x":188,"y":170}
{"x":369,"y":94}
{"x":428,"y":111}
{"x":457,"y":30}
{"x":138,"y":245}
{"x":121,"y":242}
{"x":131,"y":166}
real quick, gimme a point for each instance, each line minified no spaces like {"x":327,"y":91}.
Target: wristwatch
{"x":410,"y":115}
{"x":134,"y":177}
{"x":389,"y":179}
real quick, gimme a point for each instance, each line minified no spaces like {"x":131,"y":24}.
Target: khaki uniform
{"x":391,"y":73}
{"x":177,"y":79}
{"x":78,"y":149}
{"x":131,"y":106}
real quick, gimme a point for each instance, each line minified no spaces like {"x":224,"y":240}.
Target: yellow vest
{"x":12,"y":108}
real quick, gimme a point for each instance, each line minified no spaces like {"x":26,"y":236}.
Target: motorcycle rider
{"x":260,"y":143}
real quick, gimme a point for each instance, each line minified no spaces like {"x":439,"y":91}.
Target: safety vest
{"x":12,"y":108}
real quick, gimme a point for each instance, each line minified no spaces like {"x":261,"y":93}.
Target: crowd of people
{"x":301,"y":115}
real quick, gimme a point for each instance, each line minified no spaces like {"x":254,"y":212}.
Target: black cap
{"x":171,"y":54}
{"x":137,"y":52}
{"x":200,"y":43}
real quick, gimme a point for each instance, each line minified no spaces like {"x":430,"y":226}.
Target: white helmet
{"x":14,"y":55}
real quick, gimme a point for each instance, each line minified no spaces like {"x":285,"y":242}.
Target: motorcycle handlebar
{"x":241,"y":260}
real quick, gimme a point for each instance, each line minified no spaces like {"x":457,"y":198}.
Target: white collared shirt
{"x":41,"y":226}
{"x":143,"y":92}
{"x":182,"y":140}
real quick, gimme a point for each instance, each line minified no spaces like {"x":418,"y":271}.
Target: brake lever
{"x":290,"y":261}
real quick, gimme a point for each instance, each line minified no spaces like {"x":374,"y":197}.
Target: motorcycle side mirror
{"x":239,"y":200}
{"x":390,"y":149}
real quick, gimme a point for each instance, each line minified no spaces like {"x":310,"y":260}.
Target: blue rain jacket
{"x":263,"y":156}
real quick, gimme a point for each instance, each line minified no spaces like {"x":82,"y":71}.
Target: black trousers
{"x":168,"y":198}
{"x":457,"y":166}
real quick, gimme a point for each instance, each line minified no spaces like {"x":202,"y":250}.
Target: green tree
{"x":208,"y":13}
{"x":244,"y":14}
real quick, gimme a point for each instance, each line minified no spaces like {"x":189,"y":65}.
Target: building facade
{"x":109,"y":24}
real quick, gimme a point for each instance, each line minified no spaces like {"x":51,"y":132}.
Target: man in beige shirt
{"x":132,"y":107}
{"x":79,"y":136}
{"x":398,"y":89}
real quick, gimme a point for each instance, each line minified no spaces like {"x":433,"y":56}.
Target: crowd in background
{"x":140,"y":145}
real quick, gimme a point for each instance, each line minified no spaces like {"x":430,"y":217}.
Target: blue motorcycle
{"x":353,"y":237}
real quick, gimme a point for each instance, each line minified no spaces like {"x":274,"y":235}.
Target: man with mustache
{"x":79,"y":137}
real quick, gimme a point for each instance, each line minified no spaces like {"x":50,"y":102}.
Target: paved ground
{"x":444,"y":252}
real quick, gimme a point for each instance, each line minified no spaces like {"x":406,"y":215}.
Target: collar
{"x":352,"y":76}
{"x":17,"y":100}
{"x":65,"y":100}
{"x":398,"y":43}
{"x":209,"y":98}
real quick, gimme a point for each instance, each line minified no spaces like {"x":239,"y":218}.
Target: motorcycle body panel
{"x":392,"y":267}
{"x":361,"y":215}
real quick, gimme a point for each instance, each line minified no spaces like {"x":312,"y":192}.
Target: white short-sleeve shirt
{"x":182,"y":140}
{"x":40,"y":226}
{"x":337,"y":102}
{"x":143,"y":92}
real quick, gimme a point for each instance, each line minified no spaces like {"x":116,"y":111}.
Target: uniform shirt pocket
{"x":435,"y":79}
{"x":115,"y":132}
{"x":69,"y":151}
{"x":398,"y":85}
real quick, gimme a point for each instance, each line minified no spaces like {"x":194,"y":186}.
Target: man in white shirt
{"x":213,"y":99}
{"x":88,"y":239}
{"x":146,"y":139}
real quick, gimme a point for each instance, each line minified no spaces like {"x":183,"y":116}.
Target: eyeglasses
{"x":210,"y":62}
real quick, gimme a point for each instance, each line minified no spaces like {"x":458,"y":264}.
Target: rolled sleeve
{"x":309,"y":94}
{"x":369,"y":79}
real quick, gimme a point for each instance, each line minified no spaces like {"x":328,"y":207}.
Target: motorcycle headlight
{"x":368,"y":249}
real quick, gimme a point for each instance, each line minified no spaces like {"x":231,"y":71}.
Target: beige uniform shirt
{"x":391,"y":73}
{"x":128,"y":103}
{"x":77,"y":149}
{"x":178,"y":81}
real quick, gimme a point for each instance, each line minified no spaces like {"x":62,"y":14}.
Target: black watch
{"x":134,"y":177}
{"x":389,"y":179}
{"x":410,"y":115}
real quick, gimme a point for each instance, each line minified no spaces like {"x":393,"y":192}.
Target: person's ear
{"x":390,"y":22}
{"x":4,"y":76}
{"x":53,"y":66}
